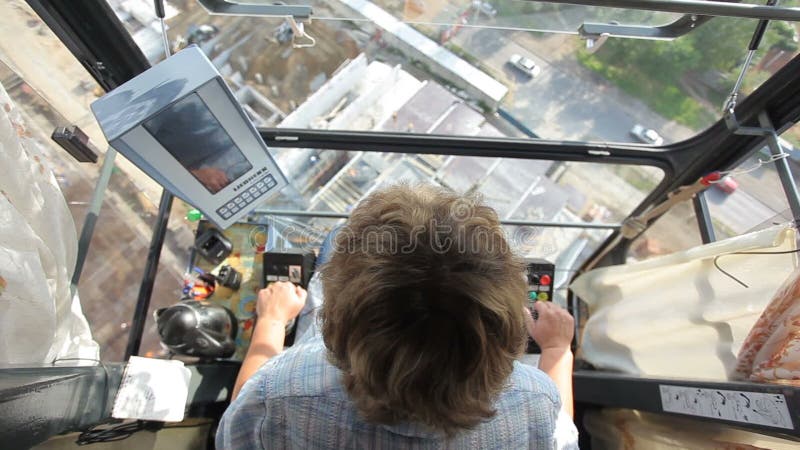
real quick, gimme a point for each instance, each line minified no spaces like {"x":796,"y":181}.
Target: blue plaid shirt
{"x":296,"y":400}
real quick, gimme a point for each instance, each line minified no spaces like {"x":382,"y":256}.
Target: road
{"x":566,"y":101}
{"x":739,"y":210}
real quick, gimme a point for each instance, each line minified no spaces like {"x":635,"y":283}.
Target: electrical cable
{"x":106,"y":434}
{"x":761,"y":163}
{"x":716,"y":262}
{"x":114,"y":433}
{"x":125,"y":430}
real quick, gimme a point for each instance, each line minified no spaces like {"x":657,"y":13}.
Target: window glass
{"x":752,"y":197}
{"x":521,"y":59}
{"x":360,"y":76}
{"x":60,"y":96}
{"x":674,"y":231}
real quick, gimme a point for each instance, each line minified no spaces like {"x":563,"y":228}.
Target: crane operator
{"x":416,"y":342}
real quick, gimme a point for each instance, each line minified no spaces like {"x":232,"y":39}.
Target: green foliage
{"x":516,"y":8}
{"x":717,"y":44}
{"x":657,"y":91}
{"x":783,"y":35}
{"x":721,"y":42}
{"x":652,"y":70}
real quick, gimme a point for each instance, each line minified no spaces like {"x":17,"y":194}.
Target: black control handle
{"x":159,"y":4}
{"x":760,"y":29}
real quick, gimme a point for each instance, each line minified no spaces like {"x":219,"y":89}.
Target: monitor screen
{"x":191,"y":134}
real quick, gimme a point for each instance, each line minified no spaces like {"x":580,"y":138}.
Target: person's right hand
{"x":281,"y":301}
{"x":554,"y":327}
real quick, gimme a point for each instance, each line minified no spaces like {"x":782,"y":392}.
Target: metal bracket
{"x":224,"y":7}
{"x":299,"y":30}
{"x":767,"y":131}
{"x":733,"y":124}
{"x":670,"y":31}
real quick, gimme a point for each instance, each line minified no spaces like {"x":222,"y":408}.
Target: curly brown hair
{"x":423,"y":307}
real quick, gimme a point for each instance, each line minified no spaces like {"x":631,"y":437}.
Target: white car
{"x":524,"y":64}
{"x":646,"y":135}
{"x":484,"y":8}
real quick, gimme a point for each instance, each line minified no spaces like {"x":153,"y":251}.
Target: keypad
{"x":248,"y":196}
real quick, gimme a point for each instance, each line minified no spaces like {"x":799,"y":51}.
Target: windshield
{"x":448,"y":72}
{"x":677,"y":87}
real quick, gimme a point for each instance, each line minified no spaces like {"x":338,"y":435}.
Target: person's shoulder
{"x":302,"y":370}
{"x":527,"y":379}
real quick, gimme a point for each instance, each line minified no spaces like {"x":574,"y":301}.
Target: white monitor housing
{"x":181,"y":125}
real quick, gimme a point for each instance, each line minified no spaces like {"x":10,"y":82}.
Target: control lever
{"x":293,"y":265}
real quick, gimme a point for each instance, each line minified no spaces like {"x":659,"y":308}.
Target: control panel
{"x":293,"y":265}
{"x":539,"y":276}
{"x":243,"y":200}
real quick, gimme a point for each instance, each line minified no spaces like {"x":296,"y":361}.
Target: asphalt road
{"x":565,"y":101}
{"x":738,"y":210}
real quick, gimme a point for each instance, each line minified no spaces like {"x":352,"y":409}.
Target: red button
{"x":545,"y":280}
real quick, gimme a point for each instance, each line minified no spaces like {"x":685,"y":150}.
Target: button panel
{"x":539,"y":275}
{"x":248,"y":196}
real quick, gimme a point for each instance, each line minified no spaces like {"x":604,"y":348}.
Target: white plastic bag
{"x":39,"y":320}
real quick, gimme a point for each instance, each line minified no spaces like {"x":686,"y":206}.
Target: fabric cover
{"x":677,"y":315}
{"x":771,"y":351}
{"x":39,"y":319}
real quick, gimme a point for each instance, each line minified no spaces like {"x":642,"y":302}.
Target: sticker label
{"x":295,"y":274}
{"x":740,"y":406}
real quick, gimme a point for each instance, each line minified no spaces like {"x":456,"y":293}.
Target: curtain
{"x":39,"y":320}
{"x":678,"y":315}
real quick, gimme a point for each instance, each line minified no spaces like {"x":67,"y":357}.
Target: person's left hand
{"x":281,"y":301}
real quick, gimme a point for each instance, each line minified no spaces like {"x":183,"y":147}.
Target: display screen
{"x":191,"y":133}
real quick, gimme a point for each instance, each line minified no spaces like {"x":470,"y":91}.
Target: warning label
{"x":740,"y":406}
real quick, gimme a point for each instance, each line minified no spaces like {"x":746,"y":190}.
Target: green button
{"x":543,"y":296}
{"x":194,"y":215}
{"x":532,"y":295}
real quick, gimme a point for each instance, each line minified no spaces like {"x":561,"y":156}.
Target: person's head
{"x":423,"y":307}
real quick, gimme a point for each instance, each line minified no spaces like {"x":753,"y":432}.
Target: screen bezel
{"x":146,"y":151}
{"x":147,"y":124}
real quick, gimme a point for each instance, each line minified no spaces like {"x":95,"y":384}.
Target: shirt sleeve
{"x":566,"y":434}
{"x":240,"y":426}
{"x":307,"y":320}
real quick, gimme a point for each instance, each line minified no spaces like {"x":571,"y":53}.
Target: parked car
{"x":646,"y":135}
{"x":484,"y":8}
{"x":202,"y":33}
{"x":283,"y":33}
{"x":727,"y":184}
{"x":526,"y":65}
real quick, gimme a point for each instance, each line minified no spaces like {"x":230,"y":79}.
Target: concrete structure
{"x":261,"y":111}
{"x":374,"y":96}
{"x":440,"y":61}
